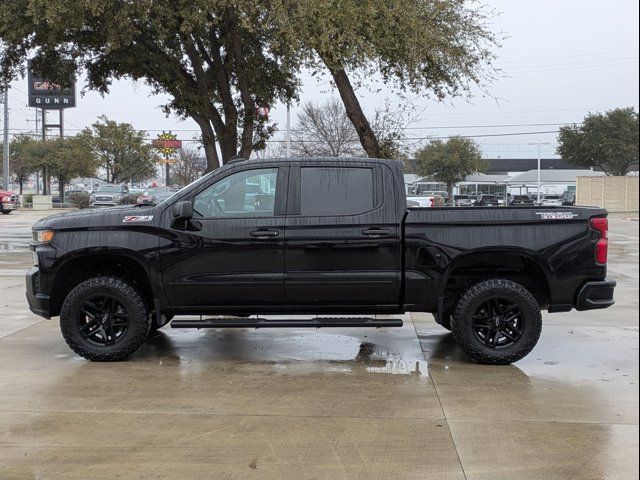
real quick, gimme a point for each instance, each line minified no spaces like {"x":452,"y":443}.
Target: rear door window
{"x":326,"y":191}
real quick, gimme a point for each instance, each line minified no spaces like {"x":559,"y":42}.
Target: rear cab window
{"x":335,"y":191}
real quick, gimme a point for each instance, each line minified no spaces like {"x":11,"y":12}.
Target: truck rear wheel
{"x":497,"y":322}
{"x":104,"y":319}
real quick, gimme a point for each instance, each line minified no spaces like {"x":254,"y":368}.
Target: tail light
{"x":601,"y":225}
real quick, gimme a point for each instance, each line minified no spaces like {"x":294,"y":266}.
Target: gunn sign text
{"x":50,"y":95}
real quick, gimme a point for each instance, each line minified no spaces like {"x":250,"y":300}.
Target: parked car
{"x":110,"y":195}
{"x":486,"y":201}
{"x":437,"y":193}
{"x":568,"y":198}
{"x":8,"y":202}
{"x":552,"y":201}
{"x":463,"y":200}
{"x":521,"y":200}
{"x":153,"y":196}
{"x":420,"y":202}
{"x":328,"y":236}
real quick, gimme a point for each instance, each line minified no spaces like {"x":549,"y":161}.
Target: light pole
{"x":288,"y":129}
{"x":5,"y":150}
{"x":539,"y":144}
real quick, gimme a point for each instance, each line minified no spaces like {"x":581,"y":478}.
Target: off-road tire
{"x":138,"y":326}
{"x":469,"y":301}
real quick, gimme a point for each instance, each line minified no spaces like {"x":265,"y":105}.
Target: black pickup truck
{"x":314,"y":236}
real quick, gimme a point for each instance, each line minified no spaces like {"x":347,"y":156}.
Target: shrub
{"x":80,"y":199}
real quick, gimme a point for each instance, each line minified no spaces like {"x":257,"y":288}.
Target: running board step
{"x":287,"y":322}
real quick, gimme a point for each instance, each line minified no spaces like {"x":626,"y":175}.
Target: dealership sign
{"x":168,"y":145}
{"x":44,"y":93}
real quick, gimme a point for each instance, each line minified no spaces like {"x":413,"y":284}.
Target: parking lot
{"x":321,"y":404}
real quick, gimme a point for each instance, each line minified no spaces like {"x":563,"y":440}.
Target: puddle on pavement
{"x":289,"y":353}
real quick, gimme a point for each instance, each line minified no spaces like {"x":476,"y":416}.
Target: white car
{"x":420,"y":202}
{"x":552,"y":201}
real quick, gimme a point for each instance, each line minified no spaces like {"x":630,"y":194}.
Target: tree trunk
{"x":46,"y":186}
{"x":450,"y":192}
{"x":367,"y":137}
{"x":20,"y":182}
{"x":228,"y":144}
{"x":209,"y":143}
{"x":61,"y":183}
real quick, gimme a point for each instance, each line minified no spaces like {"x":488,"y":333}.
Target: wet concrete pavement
{"x":321,"y":404}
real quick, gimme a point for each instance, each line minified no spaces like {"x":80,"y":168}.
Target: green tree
{"x":21,"y":163}
{"x":607,"y":142}
{"x":71,"y":158}
{"x":220,"y":61}
{"x":31,"y":155}
{"x":450,"y":161}
{"x":120,"y":150}
{"x":63,"y":158}
{"x":433,"y":48}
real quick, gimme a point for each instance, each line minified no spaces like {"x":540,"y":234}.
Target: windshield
{"x":183,"y":189}
{"x":109,"y":188}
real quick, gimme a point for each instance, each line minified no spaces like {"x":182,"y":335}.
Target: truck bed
{"x":556,"y":242}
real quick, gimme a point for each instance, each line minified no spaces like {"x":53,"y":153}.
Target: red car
{"x":8,"y":202}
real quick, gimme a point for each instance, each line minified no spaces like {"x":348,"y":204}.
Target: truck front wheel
{"x":497,"y":322}
{"x":104,"y":319}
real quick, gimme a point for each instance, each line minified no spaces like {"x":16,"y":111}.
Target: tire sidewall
{"x":138,"y":323}
{"x":465,"y":335}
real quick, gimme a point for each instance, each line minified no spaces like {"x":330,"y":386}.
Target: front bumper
{"x":8,"y":206}
{"x":38,"y":302}
{"x":596,"y":295}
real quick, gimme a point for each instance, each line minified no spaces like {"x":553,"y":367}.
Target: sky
{"x":561,"y":60}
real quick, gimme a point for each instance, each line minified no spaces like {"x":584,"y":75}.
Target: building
{"x":504,"y":166}
{"x":551,"y":181}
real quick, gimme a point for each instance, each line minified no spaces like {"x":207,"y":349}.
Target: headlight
{"x":43,"y":236}
{"x":6,"y":199}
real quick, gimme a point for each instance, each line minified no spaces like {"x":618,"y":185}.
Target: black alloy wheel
{"x":103,"y":320}
{"x":498,"y":323}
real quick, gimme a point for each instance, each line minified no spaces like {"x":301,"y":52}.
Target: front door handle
{"x":376,"y":232}
{"x":264,"y":233}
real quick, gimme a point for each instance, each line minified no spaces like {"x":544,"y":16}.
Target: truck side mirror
{"x":182,"y":211}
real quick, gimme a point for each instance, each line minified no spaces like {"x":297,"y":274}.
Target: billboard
{"x":44,"y":93}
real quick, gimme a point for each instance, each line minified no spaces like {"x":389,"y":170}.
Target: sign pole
{"x":45,"y":173}
{"x":5,"y":150}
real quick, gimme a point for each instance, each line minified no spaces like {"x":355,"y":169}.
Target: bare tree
{"x":390,"y":124}
{"x":189,"y":167}
{"x":325,"y":130}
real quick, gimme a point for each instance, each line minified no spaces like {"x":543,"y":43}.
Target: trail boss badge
{"x":137,"y":218}
{"x":557,"y":215}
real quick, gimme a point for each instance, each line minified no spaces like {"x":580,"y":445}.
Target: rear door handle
{"x":264,"y":233}
{"x":376,"y":232}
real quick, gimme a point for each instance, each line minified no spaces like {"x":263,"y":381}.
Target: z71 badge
{"x":557,"y":215}
{"x":137,"y":218}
